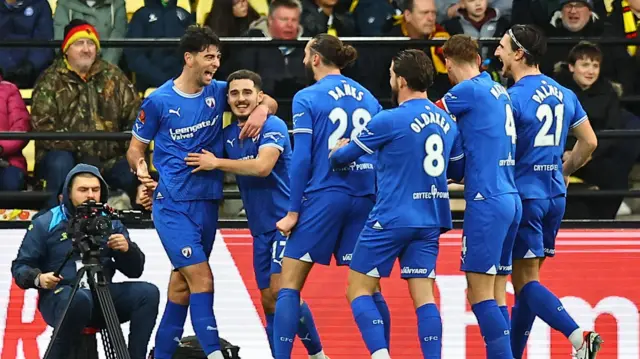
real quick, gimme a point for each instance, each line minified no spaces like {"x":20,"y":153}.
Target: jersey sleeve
{"x":377,"y":133}
{"x":274,"y":134}
{"x":579,"y":115}
{"x":459,"y":99}
{"x":148,"y":121}
{"x":457,"y":153}
{"x":302,"y":120}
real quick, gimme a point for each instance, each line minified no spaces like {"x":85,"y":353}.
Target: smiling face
{"x":243,"y":97}
{"x":585,"y":72}
{"x":506,"y":55}
{"x":203,"y":65}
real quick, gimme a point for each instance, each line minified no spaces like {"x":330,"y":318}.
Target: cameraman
{"x":43,"y":250}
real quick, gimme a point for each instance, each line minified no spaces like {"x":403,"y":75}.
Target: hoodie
{"x":46,"y":244}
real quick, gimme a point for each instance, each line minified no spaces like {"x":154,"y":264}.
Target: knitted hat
{"x":79,"y":29}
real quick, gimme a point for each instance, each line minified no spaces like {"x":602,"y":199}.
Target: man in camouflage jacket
{"x":80,"y":92}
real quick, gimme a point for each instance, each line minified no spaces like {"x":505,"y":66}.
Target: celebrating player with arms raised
{"x":328,"y":207}
{"x":185,"y":116}
{"x":493,"y":209}
{"x":412,"y":205}
{"x":544,"y":113}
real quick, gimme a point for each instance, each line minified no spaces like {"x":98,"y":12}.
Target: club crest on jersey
{"x":210,"y":101}
{"x":186,"y":252}
{"x":141,"y":116}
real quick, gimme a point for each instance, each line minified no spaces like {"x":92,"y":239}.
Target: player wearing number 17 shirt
{"x":544,"y":113}
{"x":328,"y":207}
{"x":493,"y":209}
{"x":415,"y":145}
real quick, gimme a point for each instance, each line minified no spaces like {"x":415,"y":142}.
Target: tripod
{"x":112,"y":337}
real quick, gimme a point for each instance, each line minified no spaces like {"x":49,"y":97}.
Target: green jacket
{"x":109,"y":17}
{"x":63,"y":102}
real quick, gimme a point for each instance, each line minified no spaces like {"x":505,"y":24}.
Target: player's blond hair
{"x":461,"y":49}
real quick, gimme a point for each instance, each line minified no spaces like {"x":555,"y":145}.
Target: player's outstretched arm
{"x":585,"y":145}
{"x":257,"y":167}
{"x":345,"y":152}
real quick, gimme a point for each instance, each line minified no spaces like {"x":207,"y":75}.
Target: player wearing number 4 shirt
{"x":493,"y":209}
{"x":414,"y":144}
{"x":544,"y":113}
{"x":328,"y":207}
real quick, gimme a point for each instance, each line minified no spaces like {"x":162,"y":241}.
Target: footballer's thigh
{"x":182,"y":238}
{"x":506,"y":258}
{"x":373,"y":257}
{"x":352,"y":227}
{"x":418,"y":264}
{"x":486,"y":226}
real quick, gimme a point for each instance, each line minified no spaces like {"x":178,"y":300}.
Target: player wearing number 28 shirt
{"x":328,"y":207}
{"x":483,"y":112}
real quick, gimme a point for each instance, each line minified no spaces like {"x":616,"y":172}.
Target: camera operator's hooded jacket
{"x":45,"y":244}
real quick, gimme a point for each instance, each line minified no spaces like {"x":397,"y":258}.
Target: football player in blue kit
{"x":261,"y":165}
{"x":483,"y":112}
{"x":328,"y":206}
{"x":414,"y":144}
{"x":183,"y":116}
{"x":544,"y":112}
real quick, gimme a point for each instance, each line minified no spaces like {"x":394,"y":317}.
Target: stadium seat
{"x":185,"y":4}
{"x":52,"y":4}
{"x":29,"y":152}
{"x":26,"y":93}
{"x":133,"y":5}
{"x":148,"y":92}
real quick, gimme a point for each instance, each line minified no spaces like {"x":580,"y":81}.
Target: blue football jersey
{"x":544,"y":112}
{"x":265,"y":199}
{"x":414,"y":144}
{"x":483,"y":111}
{"x":333,"y":108}
{"x":181,"y":123}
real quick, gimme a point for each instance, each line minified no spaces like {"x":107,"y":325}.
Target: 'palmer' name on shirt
{"x":426,"y":119}
{"x":346,"y":90}
{"x":545,"y":91}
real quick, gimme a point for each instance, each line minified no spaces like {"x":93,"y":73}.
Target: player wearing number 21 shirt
{"x":483,"y":111}
{"x":328,"y":207}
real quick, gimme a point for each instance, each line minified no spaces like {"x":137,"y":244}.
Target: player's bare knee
{"x":268,"y":301}
{"x":525,"y":271}
{"x":294,"y":273}
{"x":360,"y":284}
{"x":421,"y":291}
{"x":198,"y":277}
{"x":178,"y":291}
{"x":500,"y":290}
{"x":274,"y":286}
{"x":480,"y":287}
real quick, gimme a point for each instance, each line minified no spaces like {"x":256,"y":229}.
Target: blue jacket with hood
{"x":45,"y":244}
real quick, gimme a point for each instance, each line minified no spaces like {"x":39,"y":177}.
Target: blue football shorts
{"x":541,"y":219}
{"x":268,"y":249}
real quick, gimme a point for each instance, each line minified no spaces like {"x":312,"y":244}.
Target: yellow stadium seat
{"x":132,"y":6}
{"x":226,"y":119}
{"x":53,"y":4}
{"x":185,"y":4}
{"x":26,"y":93}
{"x":575,"y":180}
{"x":29,"y":108}
{"x":29,"y":152}
{"x":202,"y":10}
{"x":261,"y":6}
{"x":149,"y":91}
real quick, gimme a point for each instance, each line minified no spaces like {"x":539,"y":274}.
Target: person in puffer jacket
{"x":156,"y":19}
{"x":13,"y":117}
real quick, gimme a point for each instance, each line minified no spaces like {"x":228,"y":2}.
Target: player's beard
{"x":308,"y":72}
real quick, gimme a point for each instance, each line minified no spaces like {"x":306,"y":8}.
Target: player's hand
{"x":566,"y":155}
{"x":341,"y":143}
{"x":117,"y":242}
{"x":205,"y":161}
{"x":566,"y":181}
{"x":142,"y":172}
{"x":252,"y":127}
{"x":286,"y":224}
{"x":48,"y":280}
{"x":144,"y":197}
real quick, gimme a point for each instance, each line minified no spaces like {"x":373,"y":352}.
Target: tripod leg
{"x":114,"y":330}
{"x":61,"y":321}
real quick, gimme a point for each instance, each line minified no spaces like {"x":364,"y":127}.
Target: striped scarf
{"x":630,"y":26}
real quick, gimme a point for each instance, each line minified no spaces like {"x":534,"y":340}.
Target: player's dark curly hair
{"x":246,"y":75}
{"x":197,"y":39}
{"x":333,"y":51}
{"x":531,"y":40}
{"x":416,"y":68}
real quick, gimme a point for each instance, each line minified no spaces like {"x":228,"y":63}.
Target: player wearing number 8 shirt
{"x":414,"y":144}
{"x":328,"y":207}
{"x":493,"y":209}
{"x":544,"y":113}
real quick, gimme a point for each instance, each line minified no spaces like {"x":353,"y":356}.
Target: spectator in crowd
{"x":281,"y":67}
{"x":375,"y":17}
{"x":25,"y":20}
{"x":477,"y":20}
{"x":321,"y":16}
{"x":81,"y":92}
{"x":574,"y":19}
{"x":418,"y":22}
{"x":231,"y":18}
{"x":43,"y":251}
{"x":156,"y":19}
{"x":612,"y":161}
{"x":109,"y":17}
{"x":450,"y":9}
{"x":13,"y":117}
{"x":540,"y":12}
